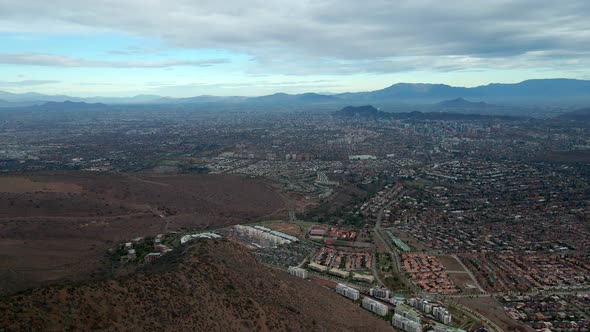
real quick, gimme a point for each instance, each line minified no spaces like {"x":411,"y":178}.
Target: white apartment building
{"x":349,"y":292}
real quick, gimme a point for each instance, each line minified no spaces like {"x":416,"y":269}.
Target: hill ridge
{"x":211,"y":285}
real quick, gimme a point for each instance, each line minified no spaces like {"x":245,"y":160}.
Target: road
{"x":374,"y":269}
{"x":378,"y":234}
{"x":470,"y":274}
{"x":477,"y":316}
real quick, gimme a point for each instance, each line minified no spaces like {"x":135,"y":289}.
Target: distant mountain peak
{"x":362,"y":111}
{"x":577,"y":115}
{"x":70,"y":105}
{"x":559,"y":91}
{"x":463,"y":103}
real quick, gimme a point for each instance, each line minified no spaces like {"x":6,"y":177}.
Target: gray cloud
{"x":24,"y":83}
{"x":299,"y":37}
{"x":39,"y":59}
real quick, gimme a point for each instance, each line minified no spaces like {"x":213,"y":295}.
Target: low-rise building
{"x":363,"y":277}
{"x":151,"y":257}
{"x":317,"y":267}
{"x":131,"y":254}
{"x":339,"y":273}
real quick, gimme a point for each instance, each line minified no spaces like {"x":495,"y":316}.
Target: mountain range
{"x":540,"y":98}
{"x":370,"y":112}
{"x":577,"y":115}
{"x":529,"y":91}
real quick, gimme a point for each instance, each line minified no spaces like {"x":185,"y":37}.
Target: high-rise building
{"x":407,"y":312}
{"x":375,"y":306}
{"x":349,"y":292}
{"x":405,"y":324}
{"x":298,"y":272}
{"x":442,"y":315}
{"x":381,"y":293}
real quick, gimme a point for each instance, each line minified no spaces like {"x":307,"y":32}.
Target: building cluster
{"x":261,"y":236}
{"x":286,"y":255}
{"x":340,"y":237}
{"x":510,"y":271}
{"x":310,"y":179}
{"x":516,"y":225}
{"x":379,"y":202}
{"x":439,"y":312}
{"x":362,"y":157}
{"x":321,"y":232}
{"x":406,"y":319}
{"x":428,"y":273}
{"x":205,"y":235}
{"x":141,"y":249}
{"x":550,"y":312}
{"x":367,"y":303}
{"x":298,"y":157}
{"x":343,"y":264}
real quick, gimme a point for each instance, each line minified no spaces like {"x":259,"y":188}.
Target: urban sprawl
{"x":415,"y":220}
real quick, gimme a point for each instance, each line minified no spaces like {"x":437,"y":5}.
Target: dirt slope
{"x":213,"y":285}
{"x":58,"y":225}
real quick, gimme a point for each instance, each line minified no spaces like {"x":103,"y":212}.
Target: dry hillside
{"x":58,"y":225}
{"x":212,"y":285}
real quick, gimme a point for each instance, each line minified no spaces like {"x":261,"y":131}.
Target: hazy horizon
{"x":266,"y":94}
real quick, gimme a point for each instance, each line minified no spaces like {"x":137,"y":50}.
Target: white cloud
{"x":25,"y":83}
{"x":37,"y":59}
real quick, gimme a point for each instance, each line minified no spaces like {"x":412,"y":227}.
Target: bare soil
{"x":213,"y":285}
{"x":287,"y":228}
{"x":450,"y":263}
{"x":58,"y":225}
{"x":463,"y":281}
{"x":23,"y":185}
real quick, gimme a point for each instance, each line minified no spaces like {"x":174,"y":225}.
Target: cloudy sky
{"x":194,"y":47}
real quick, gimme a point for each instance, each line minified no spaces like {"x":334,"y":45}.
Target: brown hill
{"x":213,"y":285}
{"x":57,"y":225}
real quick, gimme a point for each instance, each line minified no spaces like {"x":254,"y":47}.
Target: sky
{"x":184,"y":48}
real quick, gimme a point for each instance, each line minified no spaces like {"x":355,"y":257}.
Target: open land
{"x":59,"y":225}
{"x":287,"y":228}
{"x":493,"y":310}
{"x":199,"y":284}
